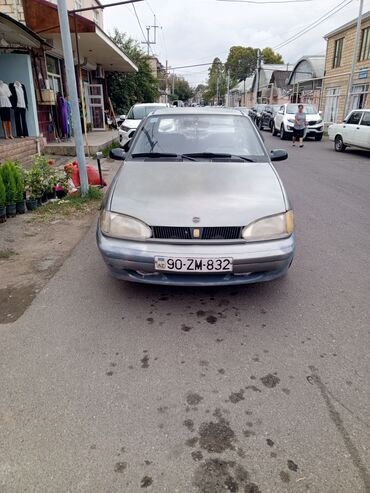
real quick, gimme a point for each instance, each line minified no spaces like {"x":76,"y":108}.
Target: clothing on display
{"x":63,"y":115}
{"x":20,"y":105}
{"x":5,"y":106}
{"x":5,"y":103}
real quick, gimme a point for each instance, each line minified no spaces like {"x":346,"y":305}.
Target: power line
{"x":314,"y":24}
{"x":265,"y":1}
{"x":141,"y":27}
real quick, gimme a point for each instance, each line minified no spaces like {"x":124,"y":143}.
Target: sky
{"x":197,"y":31}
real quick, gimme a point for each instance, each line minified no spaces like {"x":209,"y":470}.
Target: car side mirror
{"x":117,"y":154}
{"x":281,"y":112}
{"x":122,"y":117}
{"x":278,"y":155}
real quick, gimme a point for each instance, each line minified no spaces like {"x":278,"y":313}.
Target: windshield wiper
{"x":211,"y":155}
{"x":154,"y":154}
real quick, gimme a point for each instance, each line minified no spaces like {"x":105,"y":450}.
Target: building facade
{"x":336,"y":94}
{"x":44,"y":73}
{"x":306,"y":80}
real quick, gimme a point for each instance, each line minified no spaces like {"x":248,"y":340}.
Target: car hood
{"x":219,"y":194}
{"x":131,"y":123}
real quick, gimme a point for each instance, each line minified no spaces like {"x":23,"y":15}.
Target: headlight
{"x":270,"y":228}
{"x":319,"y":121}
{"x":125,"y":129}
{"x":291,"y":120}
{"x":125,"y":227}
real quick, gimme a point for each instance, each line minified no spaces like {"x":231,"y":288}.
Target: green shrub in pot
{"x":19,"y":185}
{"x":10,"y":188}
{"x":2,"y":201}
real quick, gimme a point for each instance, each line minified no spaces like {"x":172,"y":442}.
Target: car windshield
{"x":140,"y":112}
{"x":292,"y":109}
{"x":276,"y":107}
{"x":198,"y":136}
{"x":260,"y":107}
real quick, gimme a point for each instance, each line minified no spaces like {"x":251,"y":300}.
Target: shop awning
{"x":95,"y":46}
{"x":16,"y":34}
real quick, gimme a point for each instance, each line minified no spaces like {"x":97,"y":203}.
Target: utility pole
{"x":259,"y":58}
{"x":166,"y":86}
{"x":228,"y":89}
{"x":173,"y":83}
{"x":72,"y":90}
{"x":148,"y":42}
{"x":217,"y":96}
{"x":354,"y":59}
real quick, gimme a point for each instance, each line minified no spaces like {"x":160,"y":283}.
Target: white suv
{"x":284,"y":121}
{"x":354,"y":131}
{"x":137,"y":113}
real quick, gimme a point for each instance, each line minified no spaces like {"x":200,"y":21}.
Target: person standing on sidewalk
{"x":300,"y":124}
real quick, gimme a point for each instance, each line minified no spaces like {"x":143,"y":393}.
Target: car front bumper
{"x":310,"y":131}
{"x":252,"y":262}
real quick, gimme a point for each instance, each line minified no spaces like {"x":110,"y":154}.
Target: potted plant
{"x":2,"y":201}
{"x":34,"y":188}
{"x":10,"y":189}
{"x":19,"y":185}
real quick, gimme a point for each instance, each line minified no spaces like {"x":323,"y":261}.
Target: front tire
{"x":339,"y":145}
{"x":283,"y":134}
{"x":274,"y":131}
{"x":260,"y":124}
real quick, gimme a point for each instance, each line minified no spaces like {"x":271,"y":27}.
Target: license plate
{"x":191,"y":264}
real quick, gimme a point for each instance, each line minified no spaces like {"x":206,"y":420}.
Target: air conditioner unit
{"x":99,"y":72}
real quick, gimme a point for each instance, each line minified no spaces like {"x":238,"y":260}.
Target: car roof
{"x":152,"y":104}
{"x":197,"y":111}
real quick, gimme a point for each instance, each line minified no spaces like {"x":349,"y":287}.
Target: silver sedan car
{"x":197,"y":202}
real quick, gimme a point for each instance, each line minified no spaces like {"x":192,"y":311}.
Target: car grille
{"x":207,"y":233}
{"x":313,"y":122}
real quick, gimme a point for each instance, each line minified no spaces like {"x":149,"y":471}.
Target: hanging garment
{"x":70,"y":126}
{"x":5,"y":103}
{"x":20,"y":122}
{"x":63,"y":115}
{"x":20,"y":105}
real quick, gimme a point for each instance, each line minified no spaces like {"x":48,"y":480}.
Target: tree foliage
{"x":128,"y":89}
{"x":182,"y":89}
{"x":242,"y":61}
{"x":217,"y":83}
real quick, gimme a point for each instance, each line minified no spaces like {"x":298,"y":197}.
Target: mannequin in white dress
{"x":5,"y":106}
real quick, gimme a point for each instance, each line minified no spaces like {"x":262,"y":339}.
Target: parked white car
{"x":284,"y":121}
{"x":353,"y":132}
{"x":137,"y":113}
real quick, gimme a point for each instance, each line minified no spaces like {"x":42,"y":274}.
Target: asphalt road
{"x":114,"y":387}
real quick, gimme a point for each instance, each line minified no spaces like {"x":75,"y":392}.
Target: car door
{"x":363,"y":133}
{"x":350,"y":128}
{"x":279,"y":117}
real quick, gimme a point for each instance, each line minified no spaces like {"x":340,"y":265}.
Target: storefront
{"x":97,"y":55}
{"x":18,"y":101}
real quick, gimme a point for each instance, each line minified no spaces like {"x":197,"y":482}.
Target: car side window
{"x":282,"y":108}
{"x":366,"y":119}
{"x":355,"y":118}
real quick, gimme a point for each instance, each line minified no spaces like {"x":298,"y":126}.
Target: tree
{"x":182,"y":89}
{"x":269,"y":56}
{"x":128,"y":89}
{"x":216,"y":87}
{"x":242,"y":61}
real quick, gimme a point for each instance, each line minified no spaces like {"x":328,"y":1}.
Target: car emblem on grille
{"x":196,"y":220}
{"x":196,"y":233}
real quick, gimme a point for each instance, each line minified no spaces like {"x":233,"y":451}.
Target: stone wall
{"x":13,"y":8}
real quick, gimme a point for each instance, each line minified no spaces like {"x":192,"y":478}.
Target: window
{"x":359,"y":96}
{"x":354,"y":118}
{"x":365,"y":45}
{"x":366,"y":119}
{"x":78,"y":4}
{"x":54,"y":77}
{"x":338,"y":48}
{"x":331,"y":104}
